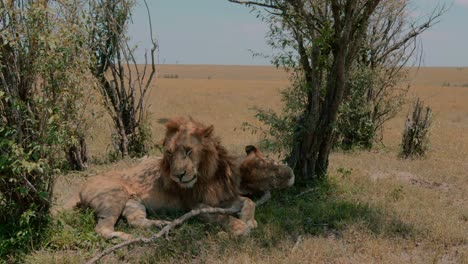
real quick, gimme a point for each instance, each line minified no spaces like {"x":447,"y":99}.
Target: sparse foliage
{"x":415,"y":139}
{"x":321,"y":44}
{"x":123,"y":85}
{"x":391,"y":41}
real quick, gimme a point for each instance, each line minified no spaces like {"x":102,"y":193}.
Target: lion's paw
{"x":120,"y":235}
{"x":239,"y":228}
{"x":252,"y":223}
{"x":160,"y":223}
{"x":126,"y":237}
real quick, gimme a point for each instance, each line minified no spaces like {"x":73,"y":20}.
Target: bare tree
{"x":123,"y":85}
{"x":391,"y":41}
{"x":326,"y":38}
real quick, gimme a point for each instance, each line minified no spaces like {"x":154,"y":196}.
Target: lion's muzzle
{"x":184,"y":179}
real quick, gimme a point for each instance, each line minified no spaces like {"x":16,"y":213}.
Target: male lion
{"x":195,"y":171}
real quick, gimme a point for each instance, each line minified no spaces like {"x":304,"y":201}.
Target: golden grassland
{"x":381,"y":209}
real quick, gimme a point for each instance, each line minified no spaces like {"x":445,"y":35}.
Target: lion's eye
{"x":168,"y":153}
{"x":188,"y":151}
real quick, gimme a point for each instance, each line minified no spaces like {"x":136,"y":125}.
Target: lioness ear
{"x":250,"y":148}
{"x":207,"y":132}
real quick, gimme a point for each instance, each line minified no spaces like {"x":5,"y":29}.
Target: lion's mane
{"x":218,"y":177}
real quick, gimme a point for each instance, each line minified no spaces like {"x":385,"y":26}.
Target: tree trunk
{"x":316,"y":142}
{"x":123,"y":141}
{"x":77,"y":155}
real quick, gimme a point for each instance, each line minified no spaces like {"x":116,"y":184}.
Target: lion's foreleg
{"x":105,"y":227}
{"x":108,"y":212}
{"x":247,"y":213}
{"x":108,"y":199}
{"x":135,"y":213}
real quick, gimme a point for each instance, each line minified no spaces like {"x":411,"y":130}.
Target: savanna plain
{"x":374,"y":207}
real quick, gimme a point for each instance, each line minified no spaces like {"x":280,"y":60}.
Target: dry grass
{"x":224,"y":100}
{"x":400,"y":211}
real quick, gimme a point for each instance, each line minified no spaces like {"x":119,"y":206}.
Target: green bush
{"x":26,"y":181}
{"x":43,"y":88}
{"x":355,"y":127}
{"x":279,"y":129}
{"x":140,"y":142}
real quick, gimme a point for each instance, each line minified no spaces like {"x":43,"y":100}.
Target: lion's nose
{"x":180,"y":175}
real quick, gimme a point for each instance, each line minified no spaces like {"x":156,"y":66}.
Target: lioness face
{"x":261,"y":174}
{"x":183,"y":152}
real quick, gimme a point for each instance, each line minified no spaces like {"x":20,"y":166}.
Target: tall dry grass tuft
{"x":415,"y":141}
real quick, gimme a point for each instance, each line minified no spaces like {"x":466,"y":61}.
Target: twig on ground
{"x":306,"y":191}
{"x":165,"y":230}
{"x":320,"y":224}
{"x":298,"y":241}
{"x":265,"y":197}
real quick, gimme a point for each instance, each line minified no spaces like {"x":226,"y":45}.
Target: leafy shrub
{"x":140,"y":142}
{"x":355,"y":127}
{"x":42,"y":93}
{"x":278,"y":130}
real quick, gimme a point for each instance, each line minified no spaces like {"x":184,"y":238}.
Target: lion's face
{"x":183,"y":156}
{"x":184,"y":148}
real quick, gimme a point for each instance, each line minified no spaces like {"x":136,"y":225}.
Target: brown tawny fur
{"x":260,"y":174}
{"x":195,"y":171}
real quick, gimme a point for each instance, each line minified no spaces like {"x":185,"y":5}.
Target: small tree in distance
{"x":321,"y":43}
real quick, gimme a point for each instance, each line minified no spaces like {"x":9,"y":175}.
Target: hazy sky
{"x":219,"y":32}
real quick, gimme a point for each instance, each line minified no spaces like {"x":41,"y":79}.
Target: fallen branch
{"x":307,"y":191}
{"x":296,"y":245}
{"x":165,"y":230}
{"x":265,"y":197}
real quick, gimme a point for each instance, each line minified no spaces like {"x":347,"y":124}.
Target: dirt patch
{"x":409,"y":178}
{"x":455,"y":254}
{"x":429,"y":184}
{"x":400,"y":175}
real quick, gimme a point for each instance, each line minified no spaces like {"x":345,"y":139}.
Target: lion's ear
{"x":207,"y":132}
{"x":250,"y":148}
{"x":172,"y":125}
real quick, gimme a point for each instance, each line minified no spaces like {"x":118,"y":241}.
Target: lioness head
{"x":187,"y":147}
{"x":261,"y":174}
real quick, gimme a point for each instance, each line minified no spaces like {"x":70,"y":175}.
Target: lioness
{"x":261,"y":175}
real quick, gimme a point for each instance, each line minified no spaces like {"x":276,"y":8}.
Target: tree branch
{"x":165,"y":230}
{"x":254,"y":3}
{"x":417,"y":30}
{"x":265,"y":197}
